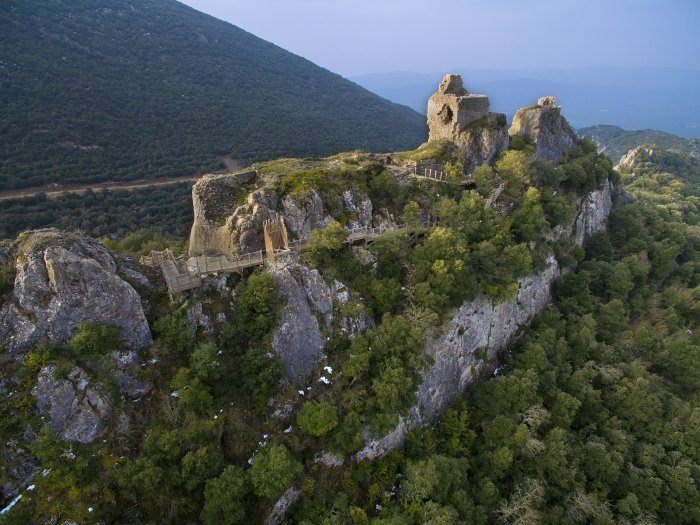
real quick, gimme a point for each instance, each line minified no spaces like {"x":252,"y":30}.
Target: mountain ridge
{"x":103,"y":91}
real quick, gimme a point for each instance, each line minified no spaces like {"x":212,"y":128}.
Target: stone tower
{"x":451,"y":109}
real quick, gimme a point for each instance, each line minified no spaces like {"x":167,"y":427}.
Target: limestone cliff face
{"x":544,"y":125}
{"x":312,"y":312}
{"x":62,"y":280}
{"x":464,"y":118}
{"x":480,"y":325}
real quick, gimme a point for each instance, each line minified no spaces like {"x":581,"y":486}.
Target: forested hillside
{"x":106,"y":90}
{"x":592,"y":417}
{"x":615,"y":141}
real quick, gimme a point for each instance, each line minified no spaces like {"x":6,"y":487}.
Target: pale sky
{"x":352,"y":37}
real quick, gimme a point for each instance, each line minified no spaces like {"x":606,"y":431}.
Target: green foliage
{"x":327,"y":240}
{"x":173,"y":333}
{"x":95,"y":339}
{"x":520,"y":143}
{"x":529,"y":220}
{"x":454,"y":171}
{"x":273,"y":471}
{"x":162,"y":210}
{"x":383,"y":187}
{"x":384,"y":362}
{"x":483,"y":178}
{"x":7,"y":279}
{"x":224,"y":498}
{"x":317,"y":418}
{"x":411,"y":212}
{"x":512,"y":168}
{"x":255,"y":305}
{"x":143,"y":241}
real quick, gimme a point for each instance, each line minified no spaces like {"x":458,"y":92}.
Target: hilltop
{"x":485,"y":329}
{"x":95,"y":91}
{"x":616,"y":142}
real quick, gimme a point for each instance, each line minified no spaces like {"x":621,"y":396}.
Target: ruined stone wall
{"x":451,"y":109}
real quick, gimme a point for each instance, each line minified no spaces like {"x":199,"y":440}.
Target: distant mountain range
{"x":658,"y":98}
{"x":615,"y":141}
{"x":94,"y":90}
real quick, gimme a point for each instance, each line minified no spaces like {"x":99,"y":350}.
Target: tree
{"x":173,"y":333}
{"x":483,"y":179}
{"x":255,"y":306}
{"x":273,"y":471}
{"x":327,"y":240}
{"x":223,"y":498}
{"x":204,"y":363}
{"x":529,"y":220}
{"x":411,"y":212}
{"x":512,"y":167}
{"x":317,"y":418}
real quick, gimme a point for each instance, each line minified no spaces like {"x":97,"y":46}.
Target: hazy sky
{"x":352,"y":37}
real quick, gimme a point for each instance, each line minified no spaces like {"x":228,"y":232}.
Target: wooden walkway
{"x":178,"y":280}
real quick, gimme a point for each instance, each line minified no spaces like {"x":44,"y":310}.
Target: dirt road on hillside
{"x":55,"y":190}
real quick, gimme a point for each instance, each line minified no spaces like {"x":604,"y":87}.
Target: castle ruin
{"x":452,"y":108}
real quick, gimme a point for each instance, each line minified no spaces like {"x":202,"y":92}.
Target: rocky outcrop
{"x":303,"y":212}
{"x":312,"y":311}
{"x":544,"y":125}
{"x":482,"y":326}
{"x":223,"y":227}
{"x":62,"y":279}
{"x":279,"y":510}
{"x":637,"y":156}
{"x":216,"y":199}
{"x":464,"y":119}
{"x":75,"y":407}
{"x":481,"y":143}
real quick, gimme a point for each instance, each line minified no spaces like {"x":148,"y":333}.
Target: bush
{"x":95,"y":339}
{"x":273,"y":471}
{"x":317,"y":418}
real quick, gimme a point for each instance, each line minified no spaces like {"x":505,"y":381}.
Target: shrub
{"x":94,"y":339}
{"x":317,"y":418}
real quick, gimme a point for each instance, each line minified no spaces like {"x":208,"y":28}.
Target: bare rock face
{"x":304,"y":212}
{"x":224,"y":225}
{"x":75,"y":407}
{"x":312,"y":312}
{"x":464,"y":118}
{"x":544,"y":125}
{"x":216,"y":200}
{"x":64,"y":279}
{"x":481,"y":326}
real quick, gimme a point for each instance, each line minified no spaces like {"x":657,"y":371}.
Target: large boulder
{"x":218,"y":208}
{"x":63,"y":279}
{"x":75,"y":407}
{"x":544,"y":125}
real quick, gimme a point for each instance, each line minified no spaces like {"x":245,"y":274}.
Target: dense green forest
{"x":103,"y":90}
{"x":115,"y":213}
{"x":615,"y":141}
{"x":591,"y":416}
